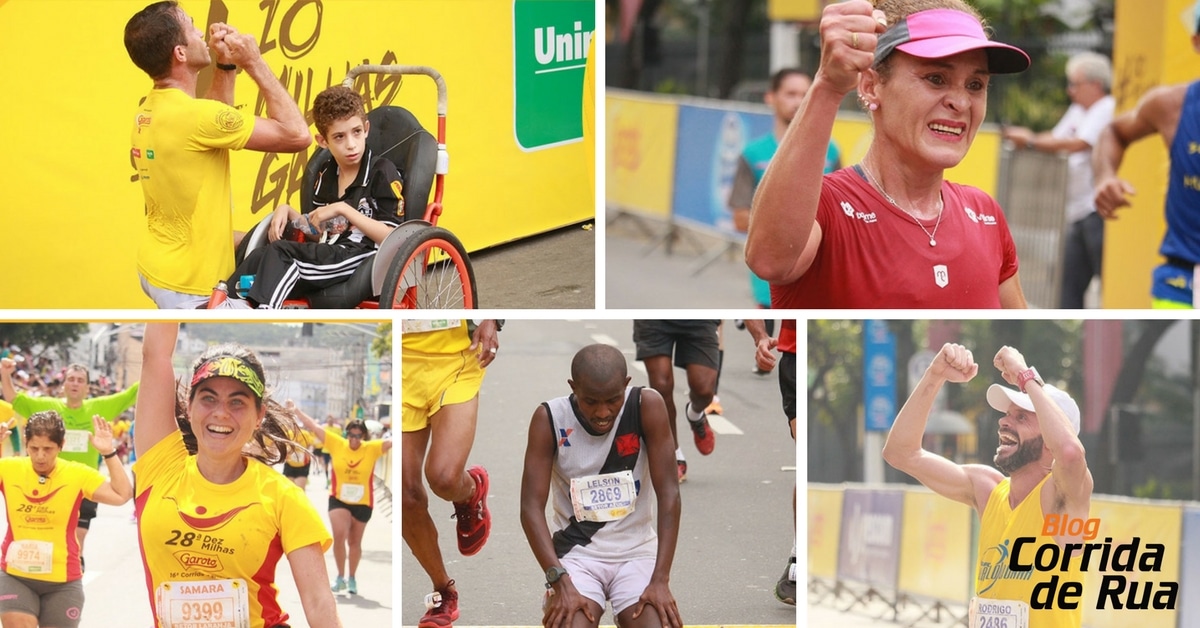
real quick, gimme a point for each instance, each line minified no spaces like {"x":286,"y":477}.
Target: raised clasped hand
{"x":849,"y":34}
{"x":954,"y":363}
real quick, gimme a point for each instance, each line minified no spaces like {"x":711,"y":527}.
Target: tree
{"x":734,"y":17}
{"x":46,"y":336}
{"x":381,"y":346}
{"x":835,"y":390}
{"x":1139,"y":350}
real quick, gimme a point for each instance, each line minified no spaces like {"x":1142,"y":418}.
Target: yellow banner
{"x":75,"y":209}
{"x":935,"y":547}
{"x":1123,"y":521}
{"x":640,"y":135}
{"x":795,"y":10}
{"x":1149,"y":45}
{"x":824,"y":526}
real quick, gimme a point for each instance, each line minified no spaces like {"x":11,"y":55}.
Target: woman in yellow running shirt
{"x":352,"y":493}
{"x":41,"y":580}
{"x":213,"y":525}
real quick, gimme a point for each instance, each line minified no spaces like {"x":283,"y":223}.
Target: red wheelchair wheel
{"x":431,"y":272}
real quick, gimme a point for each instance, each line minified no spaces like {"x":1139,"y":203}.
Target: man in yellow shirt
{"x":1047,"y":475}
{"x":444,"y":362}
{"x":180,"y":147}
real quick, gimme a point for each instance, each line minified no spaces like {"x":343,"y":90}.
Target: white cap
{"x":1001,"y":397}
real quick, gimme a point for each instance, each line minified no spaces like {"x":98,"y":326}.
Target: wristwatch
{"x":1029,"y":375}
{"x":554,"y":574}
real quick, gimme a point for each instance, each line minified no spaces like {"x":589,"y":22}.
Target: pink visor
{"x":939,"y":33}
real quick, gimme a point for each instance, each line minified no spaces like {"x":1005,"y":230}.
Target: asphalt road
{"x":645,"y":267}
{"x":555,"y":270}
{"x":115,"y":589}
{"x":737,"y":527}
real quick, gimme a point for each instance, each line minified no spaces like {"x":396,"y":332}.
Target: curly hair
{"x":336,"y":103}
{"x":272,"y":440}
{"x":151,"y":36}
{"x":46,"y":423}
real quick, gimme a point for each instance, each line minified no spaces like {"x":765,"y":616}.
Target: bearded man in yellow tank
{"x":1042,"y":472}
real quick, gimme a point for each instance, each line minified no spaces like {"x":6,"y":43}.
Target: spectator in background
{"x":1089,"y":83}
{"x":788,"y":88}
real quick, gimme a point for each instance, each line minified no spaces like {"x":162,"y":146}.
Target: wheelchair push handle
{"x":402,"y":69}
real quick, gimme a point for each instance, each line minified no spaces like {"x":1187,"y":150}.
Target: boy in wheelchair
{"x":364,"y":190}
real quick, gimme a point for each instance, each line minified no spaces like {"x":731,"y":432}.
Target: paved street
{"x":555,"y":270}
{"x":737,"y":526}
{"x":114,"y":582}
{"x":699,"y":271}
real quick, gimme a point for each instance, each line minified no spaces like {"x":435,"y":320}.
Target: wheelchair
{"x":419,"y":265}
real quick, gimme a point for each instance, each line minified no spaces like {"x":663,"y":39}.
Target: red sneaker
{"x":702,"y":434}
{"x":441,"y":608}
{"x":681,"y":466}
{"x":474,"y":519}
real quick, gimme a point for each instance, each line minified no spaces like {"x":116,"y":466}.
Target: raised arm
{"x":7,"y":367}
{"x":221,"y":88}
{"x":1070,"y":473}
{"x":314,"y":428}
{"x":969,"y":484}
{"x":156,"y":391}
{"x":284,"y":130}
{"x":660,"y":452}
{"x":560,"y":607}
{"x":116,"y":403}
{"x":784,"y":235}
{"x":118,"y":489}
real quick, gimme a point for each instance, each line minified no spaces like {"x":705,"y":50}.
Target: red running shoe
{"x":702,"y":433}
{"x":474,"y":519}
{"x":681,"y":466}
{"x":441,"y":608}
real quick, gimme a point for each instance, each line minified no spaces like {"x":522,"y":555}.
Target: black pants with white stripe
{"x":285,"y":268}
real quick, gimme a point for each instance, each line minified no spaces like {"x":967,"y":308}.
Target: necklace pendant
{"x":932,"y":242}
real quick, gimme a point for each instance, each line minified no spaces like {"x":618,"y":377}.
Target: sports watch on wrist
{"x":1029,"y":375}
{"x":553,"y":575}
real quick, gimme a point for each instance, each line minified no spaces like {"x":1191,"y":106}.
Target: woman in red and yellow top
{"x":352,"y":494}
{"x":213,"y":525}
{"x":41,"y":580}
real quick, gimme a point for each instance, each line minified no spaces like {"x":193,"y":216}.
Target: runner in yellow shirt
{"x":352,"y":494}
{"x":213,"y":525}
{"x":1041,"y":469}
{"x":41,"y":579}
{"x":299,"y":462}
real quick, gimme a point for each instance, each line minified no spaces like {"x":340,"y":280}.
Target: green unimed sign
{"x":551,"y":39}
